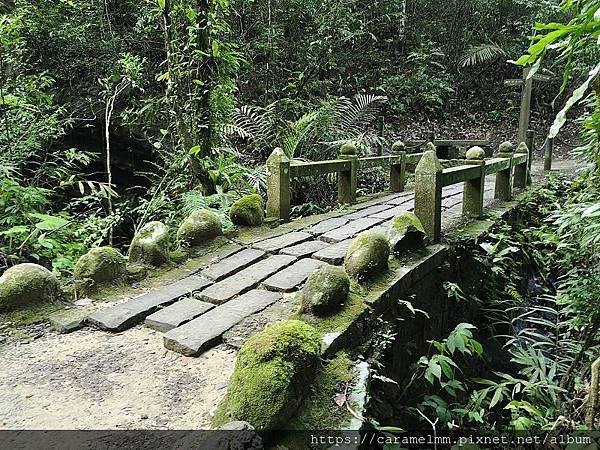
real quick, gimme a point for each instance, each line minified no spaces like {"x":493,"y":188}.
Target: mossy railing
{"x":430,"y":178}
{"x":280,"y":172}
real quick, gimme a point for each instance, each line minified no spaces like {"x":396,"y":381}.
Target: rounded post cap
{"x":398,"y":147}
{"x":506,"y":147}
{"x":475,"y":153}
{"x":348,"y":148}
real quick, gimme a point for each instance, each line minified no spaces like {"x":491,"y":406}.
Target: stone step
{"x":349,"y":230}
{"x":401,"y":198}
{"x":245,"y":280}
{"x":333,"y":254}
{"x":327,"y":225}
{"x":275,"y":244}
{"x":232,"y":264}
{"x":177,"y":314}
{"x":290,"y":278}
{"x":367,"y":211}
{"x":376,"y":201}
{"x":202,"y":333}
{"x":304,"y":249}
{"x":127,"y":314}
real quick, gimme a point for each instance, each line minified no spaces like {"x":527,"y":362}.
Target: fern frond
{"x":481,"y":54}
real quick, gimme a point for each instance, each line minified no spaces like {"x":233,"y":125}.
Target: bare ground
{"x":95,"y":380}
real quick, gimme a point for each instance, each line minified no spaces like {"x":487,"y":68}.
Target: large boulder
{"x":273,"y":373}
{"x":99,"y":266}
{"x":150,"y":246}
{"x":27,"y":284}
{"x":406,"y":232}
{"x":325,"y":290}
{"x":202,"y":225}
{"x":367,"y":255}
{"x":248,"y":210}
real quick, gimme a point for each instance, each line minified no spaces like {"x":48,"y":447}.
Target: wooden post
{"x":347,"y":179}
{"x":503,"y":188}
{"x":529,"y":140}
{"x":524,"y":114}
{"x":380,"y":129}
{"x":474,"y":188}
{"x":521,"y":171}
{"x":278,"y":186}
{"x":428,"y":193}
{"x":548,"y":154}
{"x":398,"y":171}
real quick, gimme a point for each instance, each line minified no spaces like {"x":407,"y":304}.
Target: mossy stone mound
{"x":406,"y":232}
{"x":100,"y":265}
{"x":506,"y":147}
{"x":150,"y":246}
{"x":202,"y":225}
{"x":248,"y":210}
{"x":27,"y":284}
{"x":367,"y":255}
{"x":326,"y":290}
{"x":273,"y":373}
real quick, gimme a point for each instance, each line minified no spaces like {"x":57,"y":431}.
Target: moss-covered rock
{"x":475,"y":153}
{"x":27,"y":284}
{"x":325,"y":290}
{"x":406,"y":232}
{"x":99,"y":266}
{"x":367,"y":255}
{"x":201,"y":226}
{"x":248,"y":210}
{"x":150,"y":246}
{"x":273,"y":373}
{"x":349,"y":148}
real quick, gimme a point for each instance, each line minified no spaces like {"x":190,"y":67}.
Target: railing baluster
{"x":474,"y":188}
{"x":503,"y":190}
{"x":398,"y":171}
{"x":278,"y":186}
{"x":428,"y":193}
{"x":347,"y":179}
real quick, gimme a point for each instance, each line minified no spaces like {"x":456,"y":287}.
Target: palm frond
{"x":481,"y":54}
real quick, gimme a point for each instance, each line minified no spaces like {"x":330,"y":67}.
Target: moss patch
{"x":201,"y":226}
{"x":272,"y":373}
{"x":326,"y":290}
{"x":99,"y":266}
{"x":367,"y":255}
{"x":151,"y":245}
{"x":26,"y":284}
{"x":248,"y":210}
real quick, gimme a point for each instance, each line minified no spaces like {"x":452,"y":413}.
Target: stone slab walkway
{"x":247,"y":280}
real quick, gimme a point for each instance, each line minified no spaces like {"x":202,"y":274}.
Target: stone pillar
{"x":278,"y":186}
{"x":428,"y":193}
{"x":474,"y":188}
{"x":347,"y":179}
{"x":398,"y":171}
{"x":548,"y":154}
{"x":522,"y":170}
{"x":503,"y":190}
{"x":529,"y":141}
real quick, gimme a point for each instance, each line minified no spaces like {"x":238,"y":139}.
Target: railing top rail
{"x":459,"y":174}
{"x":312,"y":168}
{"x":450,"y":142}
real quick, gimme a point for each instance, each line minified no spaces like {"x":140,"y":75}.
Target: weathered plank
{"x":292,"y":277}
{"x":177,"y":314}
{"x":232,"y":264}
{"x":275,"y":244}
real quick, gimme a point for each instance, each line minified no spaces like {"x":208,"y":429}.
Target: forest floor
{"x":97,"y":380}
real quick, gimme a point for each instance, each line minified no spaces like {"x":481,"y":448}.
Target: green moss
{"x":319,"y":411}
{"x":201,"y":226}
{"x":26,"y":284}
{"x":151,"y":245}
{"x":398,"y":147}
{"x":325,"y":290}
{"x":367,"y":255}
{"x":99,"y":266}
{"x":248,"y":210}
{"x":406,"y":232}
{"x":272,"y":373}
{"x":506,"y":147}
{"x":178,"y":256}
{"x":475,"y":153}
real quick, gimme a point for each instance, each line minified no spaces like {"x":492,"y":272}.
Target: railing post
{"x":428,"y":193}
{"x":380,"y":131}
{"x":503,"y":190}
{"x":529,"y":142}
{"x":548,"y":154}
{"x":521,"y":171}
{"x":474,"y":188}
{"x":347,"y":179}
{"x":278,"y":186}
{"x":398,"y":171}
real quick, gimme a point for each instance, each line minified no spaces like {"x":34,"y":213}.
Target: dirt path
{"x":95,"y":380}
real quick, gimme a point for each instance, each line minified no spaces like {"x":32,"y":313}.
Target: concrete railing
{"x":280,"y":172}
{"x":512,"y":169}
